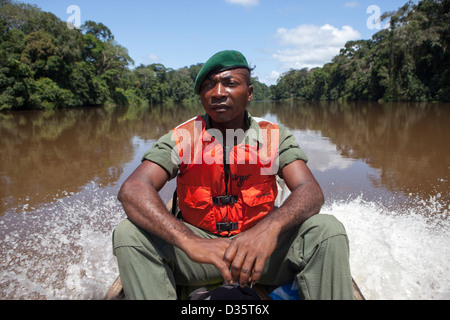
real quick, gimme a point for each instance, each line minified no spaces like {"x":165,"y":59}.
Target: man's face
{"x":225,"y":96}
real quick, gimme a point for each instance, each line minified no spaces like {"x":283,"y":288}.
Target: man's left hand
{"x":249,"y":251}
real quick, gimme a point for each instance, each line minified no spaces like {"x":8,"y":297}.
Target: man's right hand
{"x":141,"y":201}
{"x":210,"y":251}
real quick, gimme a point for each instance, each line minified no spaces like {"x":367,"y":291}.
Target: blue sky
{"x":274,"y":35}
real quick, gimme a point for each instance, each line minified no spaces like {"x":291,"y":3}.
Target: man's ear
{"x":250,"y":93}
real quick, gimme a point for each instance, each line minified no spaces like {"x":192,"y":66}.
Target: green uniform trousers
{"x":316,"y":254}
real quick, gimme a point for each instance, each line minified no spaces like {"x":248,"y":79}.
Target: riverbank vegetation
{"x":408,"y":61}
{"x":44,"y":64}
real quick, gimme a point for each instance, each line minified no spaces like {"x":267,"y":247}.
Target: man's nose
{"x":219,"y":91}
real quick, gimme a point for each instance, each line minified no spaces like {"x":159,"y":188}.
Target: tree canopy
{"x":45,"y":64}
{"x":409,"y":61}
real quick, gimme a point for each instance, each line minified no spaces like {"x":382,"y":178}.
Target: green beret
{"x":222,"y":61}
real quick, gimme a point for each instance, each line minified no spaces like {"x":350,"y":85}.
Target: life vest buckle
{"x":224,"y":200}
{"x":227,"y":227}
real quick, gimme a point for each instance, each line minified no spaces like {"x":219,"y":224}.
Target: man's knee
{"x":330,"y":224}
{"x":125,"y":234}
{"x":322,"y":227}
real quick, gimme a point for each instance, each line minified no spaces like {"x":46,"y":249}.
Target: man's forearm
{"x":145,"y":208}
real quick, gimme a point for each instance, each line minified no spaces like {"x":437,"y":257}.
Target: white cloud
{"x":273,"y":77}
{"x":245,"y":3}
{"x":268,"y":79}
{"x":309,"y":46}
{"x":351,"y":4}
{"x":153,"y":57}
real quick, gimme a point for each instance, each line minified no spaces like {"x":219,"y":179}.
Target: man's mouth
{"x":219,"y":107}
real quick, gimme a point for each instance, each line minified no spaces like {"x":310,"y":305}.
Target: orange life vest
{"x":226,"y":197}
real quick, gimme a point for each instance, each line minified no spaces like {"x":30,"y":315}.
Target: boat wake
{"x":62,"y":250}
{"x":397,"y":254}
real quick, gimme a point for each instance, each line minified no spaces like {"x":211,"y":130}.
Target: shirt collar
{"x":253,"y":133}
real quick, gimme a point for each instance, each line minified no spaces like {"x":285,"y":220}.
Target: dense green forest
{"x":44,"y":64}
{"x":409,"y":61}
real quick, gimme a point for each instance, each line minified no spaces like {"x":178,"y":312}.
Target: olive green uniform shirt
{"x":315,"y":254}
{"x":164,"y":150}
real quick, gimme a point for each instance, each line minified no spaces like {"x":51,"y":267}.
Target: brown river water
{"x":384,"y":169}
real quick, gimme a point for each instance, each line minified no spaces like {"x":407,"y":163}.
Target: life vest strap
{"x":224,"y":200}
{"x":227,"y":227}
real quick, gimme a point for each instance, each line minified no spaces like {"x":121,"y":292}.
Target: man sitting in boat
{"x":226,"y":163}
